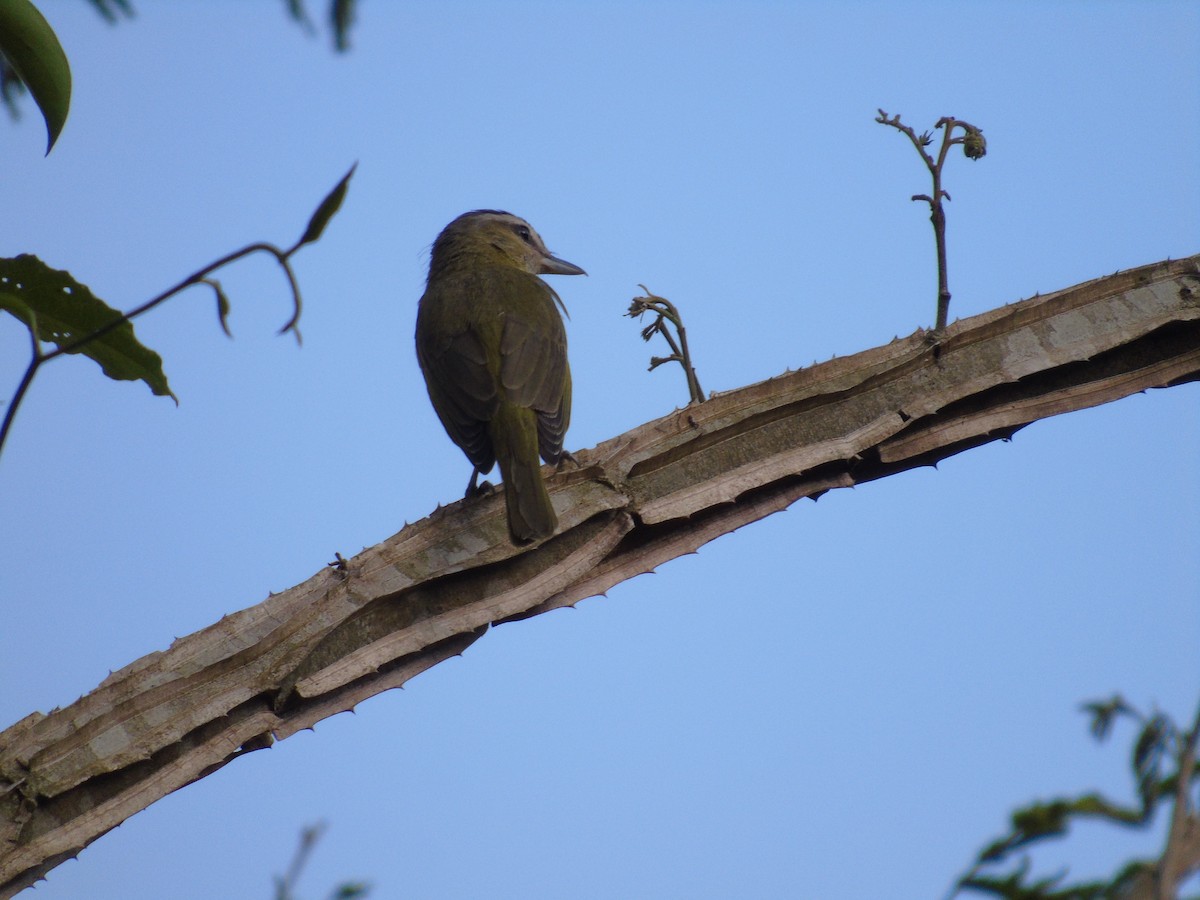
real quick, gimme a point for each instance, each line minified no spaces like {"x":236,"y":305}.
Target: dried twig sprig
{"x":974,"y":147}
{"x":665,"y":311}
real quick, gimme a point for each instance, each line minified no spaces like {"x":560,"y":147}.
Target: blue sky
{"x":844,"y":700}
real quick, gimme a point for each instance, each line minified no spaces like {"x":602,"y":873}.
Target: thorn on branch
{"x":665,"y":311}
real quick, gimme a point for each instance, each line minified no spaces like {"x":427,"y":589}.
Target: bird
{"x":492,"y":347}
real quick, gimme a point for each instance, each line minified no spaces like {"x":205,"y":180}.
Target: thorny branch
{"x":644,"y":497}
{"x":974,"y":147}
{"x":666,"y":312}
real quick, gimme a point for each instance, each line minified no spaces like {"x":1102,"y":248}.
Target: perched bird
{"x":493,"y":350}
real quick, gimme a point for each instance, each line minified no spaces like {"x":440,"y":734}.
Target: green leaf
{"x":1151,"y":745}
{"x":1148,"y":753}
{"x":1040,"y":820}
{"x":329,"y":206}
{"x":64,"y":312}
{"x":223,"y":305}
{"x":32,"y":49}
{"x":300,"y":15}
{"x":1105,"y":712}
{"x":342,"y":14}
{"x":1097,"y":806}
{"x":110,"y":15}
{"x":351,"y":890}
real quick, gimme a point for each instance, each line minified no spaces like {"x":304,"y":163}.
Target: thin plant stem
{"x":193,"y":279}
{"x":308,"y":839}
{"x":36,"y":359}
{"x":974,"y":147}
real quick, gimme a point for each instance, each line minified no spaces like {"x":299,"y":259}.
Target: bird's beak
{"x":552,"y":265}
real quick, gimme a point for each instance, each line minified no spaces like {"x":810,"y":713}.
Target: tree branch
{"x":1181,"y":858}
{"x":634,"y":502}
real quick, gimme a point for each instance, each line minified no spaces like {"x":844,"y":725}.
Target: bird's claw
{"x":475,"y":489}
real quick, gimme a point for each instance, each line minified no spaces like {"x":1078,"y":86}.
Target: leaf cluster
{"x":1162,"y":766}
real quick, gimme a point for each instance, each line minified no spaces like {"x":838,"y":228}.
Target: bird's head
{"x":501,"y":238}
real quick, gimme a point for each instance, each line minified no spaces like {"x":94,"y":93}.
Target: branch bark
{"x":635,"y":501}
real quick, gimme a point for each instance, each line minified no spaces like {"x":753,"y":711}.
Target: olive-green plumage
{"x":493,"y":351}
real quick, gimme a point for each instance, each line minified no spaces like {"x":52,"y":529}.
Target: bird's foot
{"x":478,"y":489}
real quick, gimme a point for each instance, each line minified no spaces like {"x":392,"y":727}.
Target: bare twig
{"x":198,"y":277}
{"x":974,"y":147}
{"x":309,"y":836}
{"x":666,"y":312}
{"x":36,"y":359}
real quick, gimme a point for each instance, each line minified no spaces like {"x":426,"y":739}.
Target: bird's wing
{"x":552,"y":427}
{"x":462,"y":390}
{"x":534,"y":372}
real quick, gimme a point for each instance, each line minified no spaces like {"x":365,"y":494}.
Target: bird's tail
{"x":514,"y":437}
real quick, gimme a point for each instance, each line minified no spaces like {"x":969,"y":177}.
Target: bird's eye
{"x":523,"y":233}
